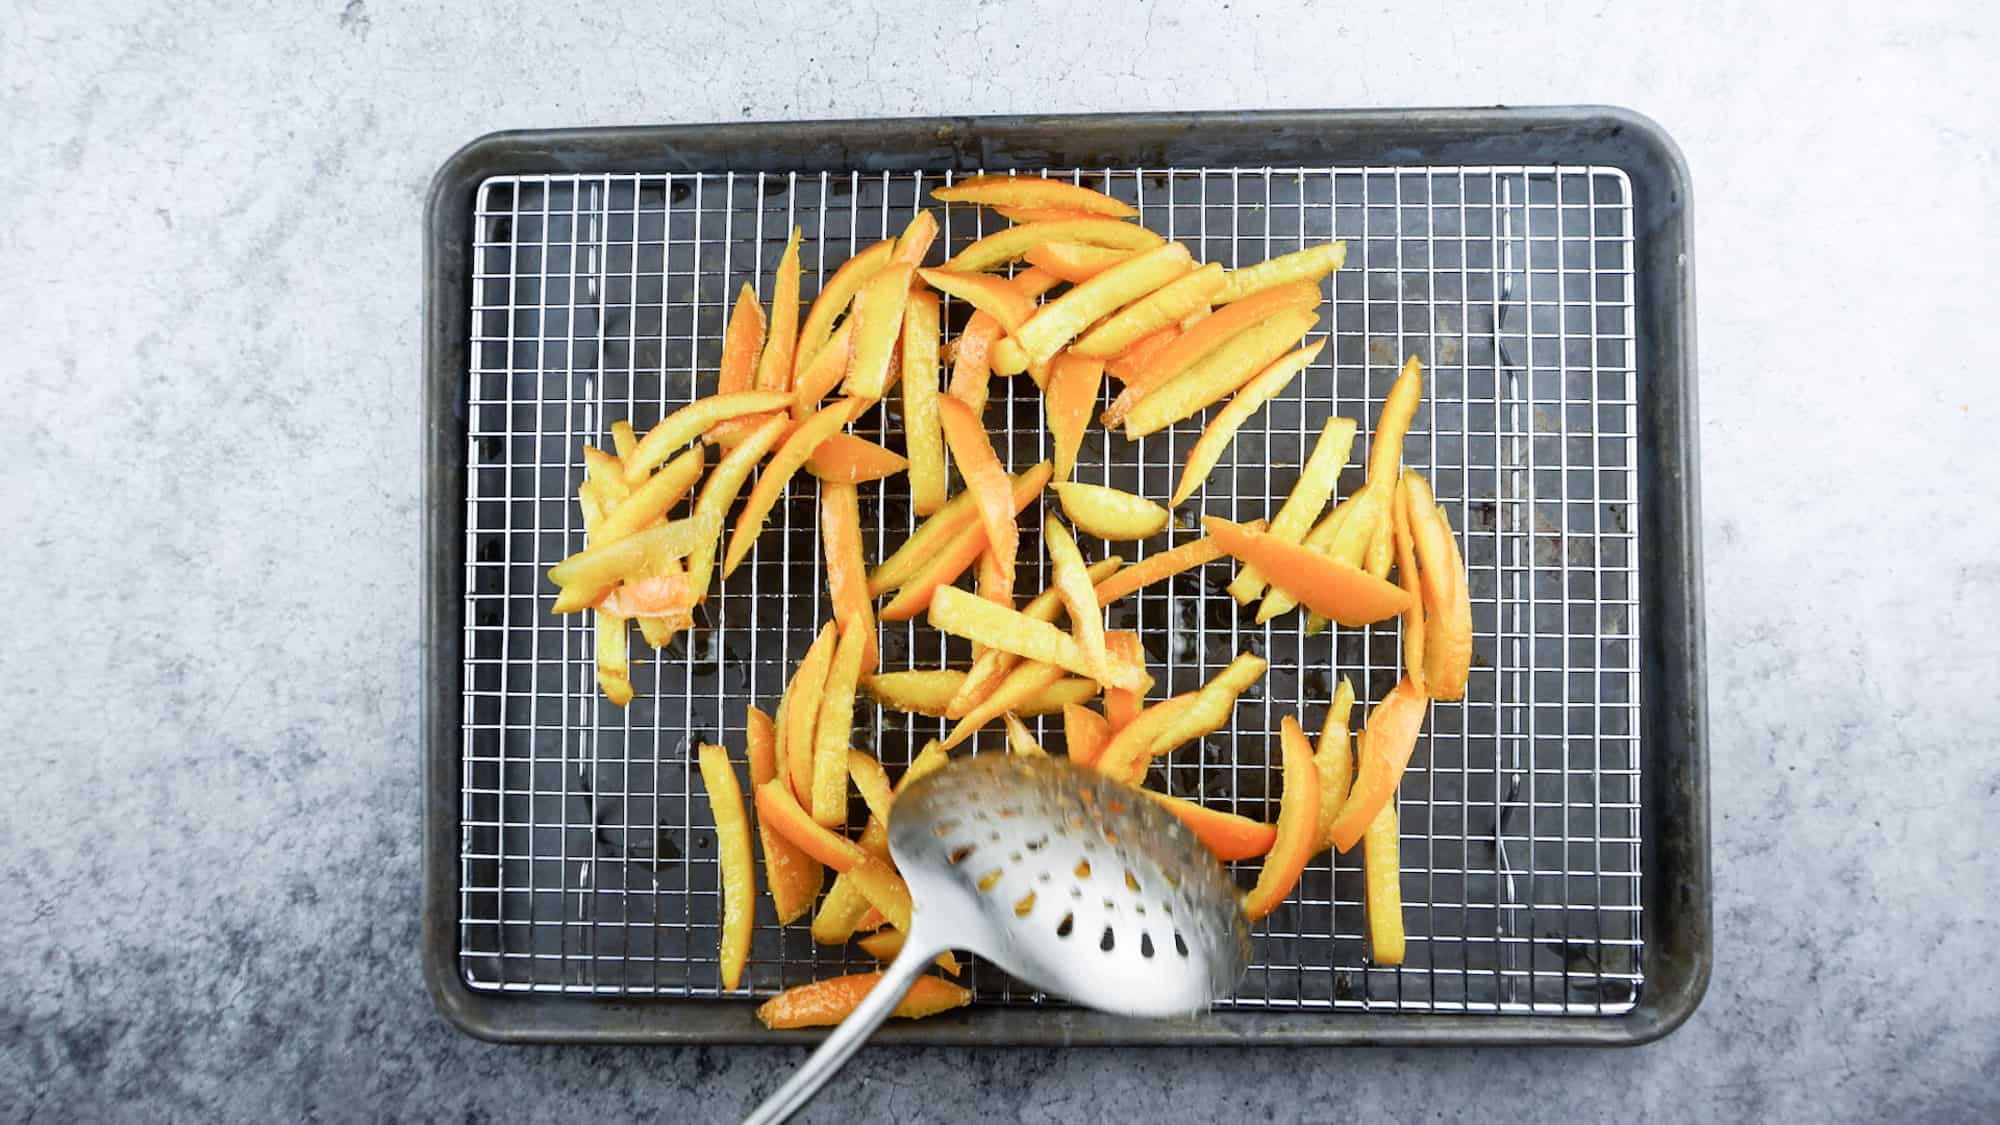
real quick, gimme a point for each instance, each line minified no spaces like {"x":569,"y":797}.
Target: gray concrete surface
{"x":209,"y":291}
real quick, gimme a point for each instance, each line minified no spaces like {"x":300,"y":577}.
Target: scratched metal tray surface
{"x":571,"y":870}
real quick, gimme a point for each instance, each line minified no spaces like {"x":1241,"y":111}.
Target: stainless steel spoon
{"x":1073,"y":883}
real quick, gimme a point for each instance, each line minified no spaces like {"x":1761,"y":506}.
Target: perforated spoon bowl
{"x":1073,"y":883}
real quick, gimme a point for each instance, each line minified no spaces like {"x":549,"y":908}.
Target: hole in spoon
{"x":1083,"y":869}
{"x":1106,"y":942}
{"x":988,"y":880}
{"x":1180,"y":945}
{"x":1026,"y":904}
{"x":958,"y":854}
{"x":1131,"y":881}
{"x":1067,"y":924}
{"x":1145,"y":945}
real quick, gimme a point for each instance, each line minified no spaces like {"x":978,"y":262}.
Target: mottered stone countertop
{"x":209,"y":287}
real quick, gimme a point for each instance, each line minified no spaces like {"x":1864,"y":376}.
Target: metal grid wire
{"x":588,"y":860}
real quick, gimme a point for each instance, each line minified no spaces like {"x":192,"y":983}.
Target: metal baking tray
{"x":1555,"y":844}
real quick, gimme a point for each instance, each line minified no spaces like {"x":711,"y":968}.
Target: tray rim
{"x":1677,"y":921}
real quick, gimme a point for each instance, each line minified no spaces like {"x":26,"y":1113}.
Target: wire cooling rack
{"x":587,"y":859}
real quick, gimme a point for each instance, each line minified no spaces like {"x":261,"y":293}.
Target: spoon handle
{"x":848,"y":1037}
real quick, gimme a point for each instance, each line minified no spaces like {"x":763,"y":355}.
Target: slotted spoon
{"x":1073,"y":883}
